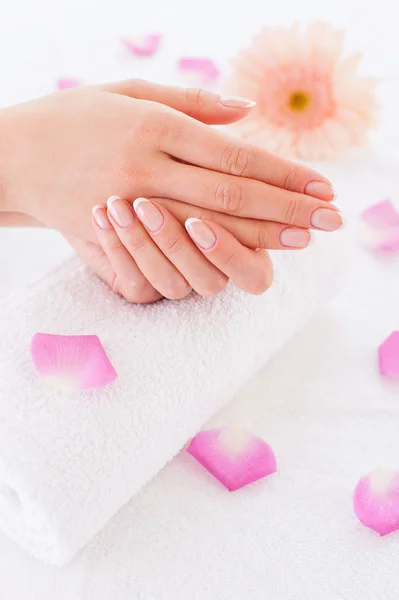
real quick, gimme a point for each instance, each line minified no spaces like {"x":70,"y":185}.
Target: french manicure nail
{"x":100,"y":217}
{"x":321,"y":190}
{"x":326,"y":219}
{"x":200,"y":233}
{"x":120,"y":211}
{"x":236,"y":102}
{"x":295,"y":238}
{"x":148,"y":214}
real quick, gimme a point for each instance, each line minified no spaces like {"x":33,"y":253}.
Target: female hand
{"x":146,"y":254}
{"x":79,"y":146}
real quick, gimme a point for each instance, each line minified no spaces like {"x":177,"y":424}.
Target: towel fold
{"x":69,"y":462}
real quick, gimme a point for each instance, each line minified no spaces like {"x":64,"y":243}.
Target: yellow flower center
{"x":299,"y":101}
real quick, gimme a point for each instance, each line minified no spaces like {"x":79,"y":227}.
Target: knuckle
{"x":156,"y":125}
{"x":237,"y":159}
{"x":112,"y":245}
{"x":149,"y":127}
{"x":166,"y":131}
{"x":293,"y":211}
{"x":263,"y":279}
{"x":229,"y":197}
{"x":261,"y":236}
{"x":203,"y":214}
{"x":172,"y":245}
{"x":290,"y":178}
{"x":175,"y":290}
{"x":136,"y":243}
{"x":194,"y":98}
{"x":136,"y":291}
{"x":214,"y":287}
{"x":234,"y":261}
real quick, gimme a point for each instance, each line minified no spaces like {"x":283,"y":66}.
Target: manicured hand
{"x":69,"y":151}
{"x":153,"y":255}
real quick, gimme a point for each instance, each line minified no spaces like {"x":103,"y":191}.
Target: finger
{"x":95,"y":258}
{"x":252,"y":233}
{"x":219,"y":151}
{"x":172,"y":239}
{"x":128,"y":280}
{"x":153,"y":264}
{"x":242,"y":197}
{"x":252,"y":271}
{"x":195,"y":102}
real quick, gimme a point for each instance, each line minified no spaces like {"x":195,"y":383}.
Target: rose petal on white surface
{"x":235,"y":457}
{"x":203,"y":66}
{"x":388,"y":356}
{"x":144,"y":46}
{"x":379,"y":227}
{"x":67,"y":82}
{"x":376,"y":501}
{"x":382,"y":215}
{"x":71,"y":362}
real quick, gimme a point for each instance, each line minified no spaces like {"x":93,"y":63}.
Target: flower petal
{"x":203,"y":66}
{"x":72,"y":362}
{"x":388,"y":356}
{"x":339,"y":104}
{"x":382,"y":215}
{"x":235,"y":457}
{"x":380,"y":227}
{"x":67,"y":82}
{"x":376,"y":501}
{"x":146,"y":46}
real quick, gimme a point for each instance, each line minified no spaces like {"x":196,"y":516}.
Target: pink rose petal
{"x":380,"y":227}
{"x":67,"y":82}
{"x":382,"y":215}
{"x":235,"y":457}
{"x":146,"y":46}
{"x":376,"y":501}
{"x":72,"y":362}
{"x":388,"y":356}
{"x":203,"y":66}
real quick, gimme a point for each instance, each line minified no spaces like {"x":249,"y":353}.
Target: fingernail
{"x":120,"y":211}
{"x":100,"y":217}
{"x":200,"y":233}
{"x":236,"y":102}
{"x":321,"y":190}
{"x":148,"y":214}
{"x":295,"y":238}
{"x":326,"y":219}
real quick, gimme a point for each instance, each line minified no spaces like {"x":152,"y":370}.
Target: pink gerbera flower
{"x":311,"y":102}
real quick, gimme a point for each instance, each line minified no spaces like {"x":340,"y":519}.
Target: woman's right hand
{"x":63,"y":154}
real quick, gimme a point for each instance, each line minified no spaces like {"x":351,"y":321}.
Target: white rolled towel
{"x":68,"y":462}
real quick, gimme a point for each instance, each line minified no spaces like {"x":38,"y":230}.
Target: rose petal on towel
{"x":67,"y":82}
{"x":203,"y":66}
{"x":376,"y":501}
{"x":379,"y":228}
{"x":388,"y":355}
{"x":234,"y":456}
{"x":72,"y":362}
{"x":145,"y":46}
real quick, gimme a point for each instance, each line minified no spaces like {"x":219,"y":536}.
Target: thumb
{"x":197,"y":103}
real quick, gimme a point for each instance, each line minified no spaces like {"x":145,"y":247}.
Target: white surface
{"x":329,"y":417}
{"x":324,"y":408}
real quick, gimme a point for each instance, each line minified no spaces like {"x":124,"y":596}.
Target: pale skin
{"x":207,"y":205}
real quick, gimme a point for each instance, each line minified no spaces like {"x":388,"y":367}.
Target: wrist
{"x":8,"y":200}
